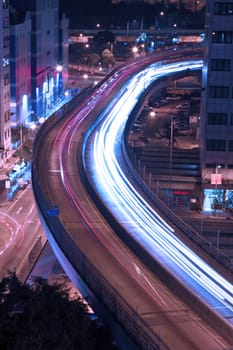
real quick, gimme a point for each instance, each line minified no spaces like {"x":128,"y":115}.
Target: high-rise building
{"x":5,"y":125}
{"x":46,"y":64}
{"x":217,"y":102}
{"x":20,"y":73}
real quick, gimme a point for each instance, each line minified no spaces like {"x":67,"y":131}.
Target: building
{"x":34,"y":56}
{"x":20,"y":73}
{"x":217,"y":104}
{"x":46,"y":55}
{"x":5,"y":125}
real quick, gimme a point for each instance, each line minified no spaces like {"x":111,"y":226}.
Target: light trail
{"x":130,"y":208}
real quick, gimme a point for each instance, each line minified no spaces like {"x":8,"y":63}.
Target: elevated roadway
{"x":134,"y":278}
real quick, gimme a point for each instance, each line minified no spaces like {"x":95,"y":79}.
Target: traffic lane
{"x":26,"y":231}
{"x":121,"y":253}
{"x":187,"y":265}
{"x":162,"y":320}
{"x":71,"y":223}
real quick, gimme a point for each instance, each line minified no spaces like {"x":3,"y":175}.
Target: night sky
{"x":84,"y":11}
{"x":87,"y":13}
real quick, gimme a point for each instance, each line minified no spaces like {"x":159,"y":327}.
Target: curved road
{"x":157,"y":308}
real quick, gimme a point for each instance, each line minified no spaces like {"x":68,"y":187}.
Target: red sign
{"x":181,"y":193}
{"x":216,"y":179}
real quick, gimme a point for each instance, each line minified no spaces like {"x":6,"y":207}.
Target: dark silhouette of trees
{"x":41,"y":316}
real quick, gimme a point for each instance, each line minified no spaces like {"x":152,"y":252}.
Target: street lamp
{"x":217,"y":180}
{"x":217,"y":176}
{"x":171,"y":147}
{"x":135,"y":50}
{"x":21,"y":139}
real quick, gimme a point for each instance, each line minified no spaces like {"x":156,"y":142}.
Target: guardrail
{"x":133,"y":324}
{"x":150,"y":188}
{"x":125,"y":315}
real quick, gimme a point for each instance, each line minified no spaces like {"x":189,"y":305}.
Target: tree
{"x":93,"y":60}
{"x":43,"y":316}
{"x":107,"y":58}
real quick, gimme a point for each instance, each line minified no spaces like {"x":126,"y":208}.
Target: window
{"x":222,"y":65}
{"x":217,"y":118}
{"x":7,"y":116}
{"x":230,"y":146}
{"x":222,"y":37}
{"x":216,"y":145}
{"x":6,"y":79}
{"x":4,"y":4}
{"x":6,"y":97}
{"x":210,"y":165}
{"x":223,"y":8}
{"x":219,"y":92}
{"x":6,"y":42}
{"x":5,"y":22}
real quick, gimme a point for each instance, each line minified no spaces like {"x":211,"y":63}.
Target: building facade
{"x":5,"y":124}
{"x":20,"y":73}
{"x":46,"y":57}
{"x":217,"y":102}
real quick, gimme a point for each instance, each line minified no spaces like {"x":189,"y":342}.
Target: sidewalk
{"x":20,"y":154}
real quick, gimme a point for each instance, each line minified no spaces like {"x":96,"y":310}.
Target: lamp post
{"x":171,"y":149}
{"x":216,"y":176}
{"x":21,"y":139}
{"x":217,"y":181}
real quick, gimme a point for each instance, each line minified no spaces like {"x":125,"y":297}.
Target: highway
{"x":94,"y":133}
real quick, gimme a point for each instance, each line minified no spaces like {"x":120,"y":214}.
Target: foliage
{"x":41,"y":316}
{"x":93,"y":59}
{"x":107,"y":58}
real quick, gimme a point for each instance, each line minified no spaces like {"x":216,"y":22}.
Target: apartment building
{"x":217,"y":102}
{"x":46,"y":58}
{"x":20,"y":74}
{"x":5,"y":124}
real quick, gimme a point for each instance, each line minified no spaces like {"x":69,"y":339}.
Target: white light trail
{"x":129,"y":207}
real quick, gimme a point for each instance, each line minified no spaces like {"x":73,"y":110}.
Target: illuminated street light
{"x":41,"y":120}
{"x":152,"y":114}
{"x":59,"y":68}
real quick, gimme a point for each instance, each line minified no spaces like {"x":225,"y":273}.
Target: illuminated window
{"x":5,"y":61}
{"x":222,"y":37}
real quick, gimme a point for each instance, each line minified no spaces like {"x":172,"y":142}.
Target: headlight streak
{"x":116,"y":190}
